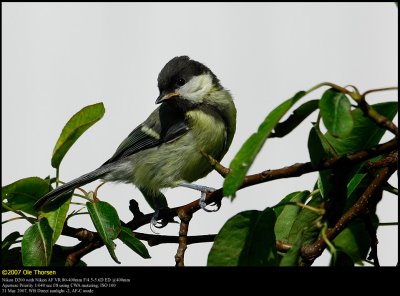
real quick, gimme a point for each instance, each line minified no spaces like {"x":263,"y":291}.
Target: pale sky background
{"x":60,"y":57}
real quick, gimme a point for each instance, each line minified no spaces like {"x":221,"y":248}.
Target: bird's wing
{"x":163,"y":125}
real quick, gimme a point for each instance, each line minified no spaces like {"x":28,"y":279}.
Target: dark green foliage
{"x":246,"y":239}
{"x":107,"y":223}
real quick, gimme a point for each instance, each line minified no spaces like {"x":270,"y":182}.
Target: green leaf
{"x":155,"y":200}
{"x":315,"y":148}
{"x":355,"y":183}
{"x":354,"y":241}
{"x":365,"y":132}
{"x":289,"y":213}
{"x":291,"y":258}
{"x":301,"y":113}
{"x":320,"y":150}
{"x":318,"y":147}
{"x":56,"y":218}
{"x":36,"y":244}
{"x":247,"y":239}
{"x":331,"y":182}
{"x":358,"y":184}
{"x":74,"y":128}
{"x":307,"y":222}
{"x":22,"y":194}
{"x":278,"y":208}
{"x":248,"y":152}
{"x":336,"y":113}
{"x":9,"y":240}
{"x":129,"y":239}
{"x":106,"y":222}
{"x":333,"y":188}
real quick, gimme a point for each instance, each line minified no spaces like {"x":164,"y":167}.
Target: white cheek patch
{"x":196,"y":88}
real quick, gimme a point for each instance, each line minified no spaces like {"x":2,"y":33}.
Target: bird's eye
{"x":180,"y":81}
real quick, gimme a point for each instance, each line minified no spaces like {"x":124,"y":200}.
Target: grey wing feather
{"x":136,"y":141}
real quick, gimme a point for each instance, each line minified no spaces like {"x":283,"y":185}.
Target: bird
{"x":196,"y":115}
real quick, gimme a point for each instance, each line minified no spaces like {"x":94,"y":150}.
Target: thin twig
{"x":12,"y":219}
{"x":223,"y":171}
{"x":29,"y":219}
{"x":379,"y":90}
{"x":282,"y":247}
{"x":389,"y":188}
{"x":97,"y":189}
{"x":319,"y":211}
{"x":378,"y":118}
{"x":331,"y":247}
{"x":389,"y":224}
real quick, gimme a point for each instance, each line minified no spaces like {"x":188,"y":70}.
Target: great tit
{"x":196,"y":114}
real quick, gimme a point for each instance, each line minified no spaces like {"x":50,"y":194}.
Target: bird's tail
{"x":63,"y":192}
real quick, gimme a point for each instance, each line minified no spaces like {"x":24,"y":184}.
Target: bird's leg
{"x":204,"y":190}
{"x":158,"y":202}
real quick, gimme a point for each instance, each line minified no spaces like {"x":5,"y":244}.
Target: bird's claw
{"x":203,"y":204}
{"x":204,"y":190}
{"x":154,"y":222}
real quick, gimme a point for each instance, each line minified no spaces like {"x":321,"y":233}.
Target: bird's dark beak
{"x":165,"y":96}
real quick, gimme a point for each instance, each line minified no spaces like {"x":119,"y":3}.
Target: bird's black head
{"x":185,"y":78}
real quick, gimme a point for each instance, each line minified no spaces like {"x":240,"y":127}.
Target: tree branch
{"x":185,"y":217}
{"x":91,"y":241}
{"x":299,"y":169}
{"x":81,"y":234}
{"x":390,"y":160}
{"x":154,"y":240}
{"x":82,"y":249}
